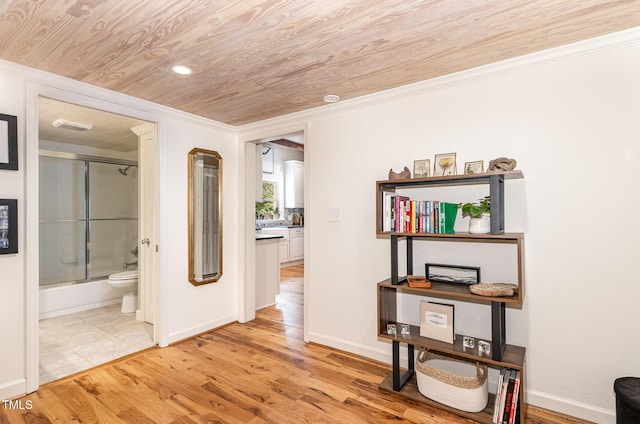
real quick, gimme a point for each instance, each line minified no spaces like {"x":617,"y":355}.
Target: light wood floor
{"x":259,"y":372}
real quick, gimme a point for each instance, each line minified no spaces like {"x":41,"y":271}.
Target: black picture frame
{"x":452,"y":274}
{"x":8,"y":142}
{"x":8,"y":226}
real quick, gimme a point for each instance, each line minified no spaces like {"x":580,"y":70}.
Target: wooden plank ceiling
{"x":257,"y":59}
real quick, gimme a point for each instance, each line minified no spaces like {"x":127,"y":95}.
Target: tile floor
{"x":75,"y":342}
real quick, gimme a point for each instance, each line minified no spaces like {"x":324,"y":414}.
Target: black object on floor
{"x":627,"y":400}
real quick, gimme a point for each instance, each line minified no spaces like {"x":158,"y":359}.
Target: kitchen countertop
{"x":262,"y":227}
{"x":267,"y":236}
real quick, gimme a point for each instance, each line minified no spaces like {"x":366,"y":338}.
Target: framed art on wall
{"x":8,"y":226}
{"x":8,"y":142}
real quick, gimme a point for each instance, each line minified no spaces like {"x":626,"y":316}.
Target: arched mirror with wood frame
{"x":205,"y":216}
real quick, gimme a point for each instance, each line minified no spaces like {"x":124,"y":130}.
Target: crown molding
{"x":589,"y":47}
{"x":89,"y":91}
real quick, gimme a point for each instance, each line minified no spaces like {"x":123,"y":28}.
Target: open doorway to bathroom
{"x":89,"y":242}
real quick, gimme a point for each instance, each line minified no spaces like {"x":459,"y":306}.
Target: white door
{"x":147,"y":245}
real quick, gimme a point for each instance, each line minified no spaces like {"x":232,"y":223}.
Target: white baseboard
{"x":570,"y":407}
{"x":382,"y":355}
{"x":75,"y":309}
{"x":12,"y":389}
{"x":193,"y":331}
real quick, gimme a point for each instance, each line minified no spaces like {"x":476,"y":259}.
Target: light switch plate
{"x":333,"y":215}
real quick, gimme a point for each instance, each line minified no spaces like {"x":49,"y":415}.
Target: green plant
{"x":476,"y":210}
{"x":264,"y":208}
{"x":268,"y":190}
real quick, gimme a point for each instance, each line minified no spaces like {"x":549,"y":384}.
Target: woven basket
{"x":494,"y":289}
{"x":452,"y":382}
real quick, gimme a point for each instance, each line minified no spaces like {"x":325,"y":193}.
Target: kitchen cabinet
{"x":267,"y":271}
{"x":291,"y":246}
{"x":293,"y":184}
{"x":283,"y":248}
{"x":296,"y":243}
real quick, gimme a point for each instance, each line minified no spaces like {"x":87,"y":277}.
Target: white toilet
{"x":126,"y":281}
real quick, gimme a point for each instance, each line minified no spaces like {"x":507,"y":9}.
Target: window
{"x":269,"y":208}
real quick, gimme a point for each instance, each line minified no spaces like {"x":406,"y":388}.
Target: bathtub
{"x":66,"y":299}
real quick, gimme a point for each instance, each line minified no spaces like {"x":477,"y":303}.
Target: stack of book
{"x":404,"y":215}
{"x":506,"y":408}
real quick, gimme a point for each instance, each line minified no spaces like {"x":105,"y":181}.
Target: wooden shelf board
{"x":410,"y":391}
{"x":512,"y":357}
{"x":462,"y":179}
{"x":458,"y":291}
{"x":499,"y":238}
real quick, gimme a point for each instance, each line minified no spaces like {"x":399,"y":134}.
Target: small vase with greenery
{"x":476,"y":210}
{"x":479,"y":223}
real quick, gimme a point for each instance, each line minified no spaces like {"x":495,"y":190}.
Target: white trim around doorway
{"x":33,"y":92}
{"x":246,"y":307}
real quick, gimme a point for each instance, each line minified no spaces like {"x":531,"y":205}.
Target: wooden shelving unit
{"x":402,"y":381}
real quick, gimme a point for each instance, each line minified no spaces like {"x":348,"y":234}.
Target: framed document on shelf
{"x":436,"y":321}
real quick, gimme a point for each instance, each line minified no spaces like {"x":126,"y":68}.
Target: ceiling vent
{"x":77,"y":126}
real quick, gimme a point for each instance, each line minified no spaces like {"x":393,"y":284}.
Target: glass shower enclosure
{"x":88,"y":217}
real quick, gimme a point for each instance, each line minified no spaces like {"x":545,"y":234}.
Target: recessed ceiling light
{"x":331,"y":98}
{"x":182,"y":70}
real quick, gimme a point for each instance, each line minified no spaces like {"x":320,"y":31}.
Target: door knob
{"x":145,"y":241}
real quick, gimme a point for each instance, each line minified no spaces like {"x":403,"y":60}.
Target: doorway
{"x":92,"y":220}
{"x":269,"y":209}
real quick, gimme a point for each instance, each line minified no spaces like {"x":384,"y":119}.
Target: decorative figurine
{"x":502,"y":164}
{"x":406,"y":173}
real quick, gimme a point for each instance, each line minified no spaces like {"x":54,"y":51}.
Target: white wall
{"x":570,"y":118}
{"x":571,"y":124}
{"x":190,"y":309}
{"x":12,"y":276}
{"x":184,"y":309}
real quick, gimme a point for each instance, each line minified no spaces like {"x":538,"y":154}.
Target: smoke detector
{"x":331,"y":98}
{"x":69,"y":125}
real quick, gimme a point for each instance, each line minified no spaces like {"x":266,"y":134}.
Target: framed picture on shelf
{"x":421,"y":168}
{"x":8,"y":142}
{"x":468,"y":342}
{"x":391,"y":329}
{"x":484,"y":348}
{"x":405,"y":330}
{"x":436,"y":321}
{"x":8,"y":226}
{"x":475,"y":167}
{"x":444,"y":164}
{"x":455,"y":274}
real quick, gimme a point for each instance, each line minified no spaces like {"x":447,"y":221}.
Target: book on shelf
{"x":506,"y":405}
{"x":498,"y":398}
{"x":513,"y":415}
{"x":401,"y":214}
{"x":386,"y":210}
